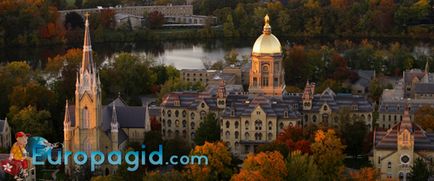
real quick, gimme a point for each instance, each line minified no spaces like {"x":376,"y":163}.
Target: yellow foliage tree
{"x":262,"y":166}
{"x":365,"y":174}
{"x":219,"y":163}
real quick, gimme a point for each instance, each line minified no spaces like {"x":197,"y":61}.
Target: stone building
{"x":397,"y":148}
{"x":89,"y":125}
{"x":5,"y":134}
{"x":414,"y":90}
{"x":248,"y":119}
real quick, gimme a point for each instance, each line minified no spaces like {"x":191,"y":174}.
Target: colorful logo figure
{"x":21,"y":154}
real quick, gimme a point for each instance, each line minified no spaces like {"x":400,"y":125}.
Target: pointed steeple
{"x":87,"y":61}
{"x":427,"y":67}
{"x":114,"y":122}
{"x":147,"y":118}
{"x":67,"y":120}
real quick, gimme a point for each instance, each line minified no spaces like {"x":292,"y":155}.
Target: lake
{"x":181,"y":54}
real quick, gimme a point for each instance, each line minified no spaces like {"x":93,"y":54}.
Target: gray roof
{"x":424,"y":88}
{"x":189,"y":99}
{"x":127,"y":117}
{"x":387,"y":140}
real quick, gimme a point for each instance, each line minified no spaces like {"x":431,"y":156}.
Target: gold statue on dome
{"x":266,"y":19}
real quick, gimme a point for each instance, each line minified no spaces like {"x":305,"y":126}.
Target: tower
{"x":266,"y":73}
{"x":308,"y":93}
{"x":114,"y":130}
{"x":84,"y":133}
{"x":221,"y":95}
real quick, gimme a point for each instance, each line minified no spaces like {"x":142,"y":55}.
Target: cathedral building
{"x":89,"y":125}
{"x":397,"y":148}
{"x":249,"y":119}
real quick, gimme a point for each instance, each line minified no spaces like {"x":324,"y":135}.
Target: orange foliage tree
{"x":219,"y":162}
{"x":365,"y":174}
{"x":262,"y":166}
{"x":295,"y":139}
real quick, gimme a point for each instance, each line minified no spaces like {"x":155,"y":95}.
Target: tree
{"x":420,"y":170}
{"x":231,"y":57}
{"x":327,"y":151}
{"x":209,"y":130}
{"x":155,"y":19}
{"x":301,"y":167}
{"x":262,"y":166}
{"x":354,"y":135}
{"x":31,"y":121}
{"x":219,"y":163}
{"x":365,"y":174}
{"x":170,"y":175}
{"x":73,"y":20}
{"x":424,"y":116}
{"x":229,"y":30}
{"x":273,"y":146}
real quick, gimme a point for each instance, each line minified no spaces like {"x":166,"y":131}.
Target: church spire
{"x":87,"y":61}
{"x":427,"y":67}
{"x":67,"y":120}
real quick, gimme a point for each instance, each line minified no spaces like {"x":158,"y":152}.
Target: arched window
{"x":176,"y":132}
{"x":184,"y":123}
{"x":389,"y":165}
{"x":227,"y":134}
{"x":177,"y":123}
{"x":85,"y":118}
{"x":169,"y":133}
{"x":184,"y":133}
{"x":246,"y":124}
{"x":291,"y":125}
{"x":227,"y":124}
{"x":164,"y":132}
{"x":184,"y":113}
{"x":192,"y":135}
{"x":247,"y":136}
{"x":192,"y":125}
{"x":192,"y":115}
{"x":258,"y":125}
{"x":281,"y":125}
{"x":169,"y":113}
{"x":176,"y":113}
{"x":270,"y":125}
{"x":236,"y":134}
{"x":163,"y":112}
{"x":169,"y":123}
{"x":237,"y":145}
{"x":236,"y":124}
{"x":270,"y":136}
{"x":202,"y":115}
{"x":314,"y":118}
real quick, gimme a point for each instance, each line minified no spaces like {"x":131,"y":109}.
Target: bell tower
{"x":266,"y":73}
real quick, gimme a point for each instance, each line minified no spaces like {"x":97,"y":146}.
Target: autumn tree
{"x":424,"y":116}
{"x":262,"y":166}
{"x":219,"y":163}
{"x":273,"y":146}
{"x":327,"y":151}
{"x":30,"y":120}
{"x":295,"y":138}
{"x":301,"y":167}
{"x":163,"y":176}
{"x":365,"y":174}
{"x":155,"y":19}
{"x":229,"y":30}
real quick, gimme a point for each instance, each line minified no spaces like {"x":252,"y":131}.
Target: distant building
{"x":414,"y":90}
{"x":131,"y":21}
{"x":397,"y":148}
{"x":361,"y":86}
{"x":231,"y":75}
{"x":197,"y":75}
{"x":5,"y":134}
{"x":248,"y":119}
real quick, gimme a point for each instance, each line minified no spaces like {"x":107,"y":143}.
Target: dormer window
{"x":355,"y":107}
{"x":177,"y":103}
{"x":325,"y":108}
{"x":202,"y":105}
{"x":285,"y":114}
{"x":232,"y":113}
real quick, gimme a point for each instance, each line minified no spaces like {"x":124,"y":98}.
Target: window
{"x":202,"y":105}
{"x":258,"y":125}
{"x":285,"y":114}
{"x":176,"y":113}
{"x":227,"y":124}
{"x":85,"y":118}
{"x":281,"y":125}
{"x":169,"y":133}
{"x":258,"y":136}
{"x":247,"y":136}
{"x":236,"y":134}
{"x":176,"y":132}
{"x":192,"y":115}
{"x":246,"y":125}
{"x":314,"y":118}
{"x":192,"y":125}
{"x":237,"y":145}
{"x":164,"y":123}
{"x":184,"y":123}
{"x":236,"y":124}
{"x":389,"y":165}
{"x":192,"y":135}
{"x":184,"y":134}
{"x":270,"y":125}
{"x":184,"y":113}
{"x":258,"y":112}
{"x":163,"y":112}
{"x":325,"y":108}
{"x":169,"y":123}
{"x":177,"y":123}
{"x":169,"y":113}
{"x":270,"y":136}
{"x":227,"y":134}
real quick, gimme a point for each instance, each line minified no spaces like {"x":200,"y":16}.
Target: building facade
{"x":5,"y":134}
{"x":414,"y":90}
{"x":396,"y":149}
{"x":249,"y":119}
{"x":89,"y":125}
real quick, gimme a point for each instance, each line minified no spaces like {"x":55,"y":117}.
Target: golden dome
{"x":267,"y":43}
